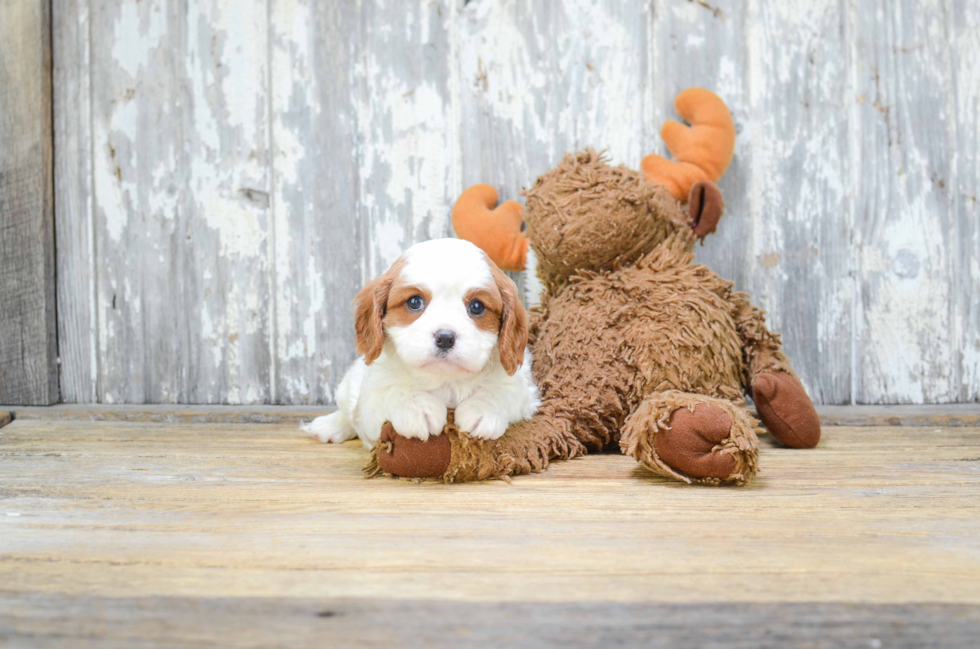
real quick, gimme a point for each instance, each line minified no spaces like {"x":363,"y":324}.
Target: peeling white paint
{"x":221,"y":36}
{"x":406,"y":157}
{"x":317,"y":297}
{"x":835,"y":171}
{"x":137,"y":31}
{"x":558,"y":87}
{"x":966,"y":73}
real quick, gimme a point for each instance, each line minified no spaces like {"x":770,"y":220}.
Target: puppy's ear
{"x":513,"y":322}
{"x":369,"y":312}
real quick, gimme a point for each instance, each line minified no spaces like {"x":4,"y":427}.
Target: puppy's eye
{"x":415,"y":303}
{"x":477,"y":307}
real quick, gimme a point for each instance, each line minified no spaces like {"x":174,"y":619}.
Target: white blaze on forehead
{"x":446,"y":270}
{"x":446,"y":266}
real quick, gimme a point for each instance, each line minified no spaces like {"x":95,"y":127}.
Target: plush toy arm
{"x":780,"y":399}
{"x":762,"y":349}
{"x":701,"y":151}
{"x":527,"y":447}
{"x":495,"y":231}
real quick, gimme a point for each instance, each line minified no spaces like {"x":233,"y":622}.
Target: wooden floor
{"x":128,"y":533}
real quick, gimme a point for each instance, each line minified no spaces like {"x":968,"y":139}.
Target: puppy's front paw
{"x":475,"y":418}
{"x":421,"y":416}
{"x":330,"y":429}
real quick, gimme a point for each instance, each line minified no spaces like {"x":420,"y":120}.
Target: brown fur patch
{"x":397,"y":313}
{"x":513,"y":321}
{"x":611,"y":338}
{"x":491,"y":299}
{"x":369,"y":312}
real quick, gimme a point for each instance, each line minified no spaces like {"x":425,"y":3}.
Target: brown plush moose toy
{"x":634,"y":344}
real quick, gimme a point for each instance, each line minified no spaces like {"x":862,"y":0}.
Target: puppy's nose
{"x":445,"y":339}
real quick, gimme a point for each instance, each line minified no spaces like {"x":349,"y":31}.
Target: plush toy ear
{"x":369,"y":313}
{"x":513,"y":335}
{"x":705,"y":207}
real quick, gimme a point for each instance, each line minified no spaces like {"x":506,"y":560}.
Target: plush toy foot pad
{"x":413,"y":458}
{"x":786,"y":410}
{"x":687,"y":445}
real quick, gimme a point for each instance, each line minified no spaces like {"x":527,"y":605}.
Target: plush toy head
{"x":586,"y":215}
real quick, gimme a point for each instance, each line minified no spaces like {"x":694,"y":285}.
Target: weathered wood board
{"x":931,"y":416}
{"x":965,"y":191}
{"x":229,"y":174}
{"x":81,"y":622}
{"x":28,"y":337}
{"x":231,"y":534}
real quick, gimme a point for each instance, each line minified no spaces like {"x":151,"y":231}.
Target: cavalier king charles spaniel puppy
{"x":442,"y":328}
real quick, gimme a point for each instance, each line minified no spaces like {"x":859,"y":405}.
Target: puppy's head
{"x":444,"y":307}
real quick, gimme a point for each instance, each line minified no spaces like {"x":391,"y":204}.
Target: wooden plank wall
{"x":28,"y":339}
{"x":230,"y":173}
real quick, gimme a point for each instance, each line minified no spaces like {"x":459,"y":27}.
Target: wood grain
{"x":407,"y":134}
{"x":960,"y":414}
{"x":318,"y":257}
{"x":224,"y":220}
{"x":530,"y":76}
{"x":272,"y":159}
{"x":704,"y":44}
{"x":800,"y":268}
{"x":28,"y":329}
{"x":78,"y":326}
{"x":136,"y":123}
{"x":964,"y":26}
{"x":904,"y":218}
{"x":180,"y":168}
{"x":154,"y":534}
{"x":128,"y":509}
{"x":851,"y":416}
{"x":185,"y":414}
{"x":65,"y":621}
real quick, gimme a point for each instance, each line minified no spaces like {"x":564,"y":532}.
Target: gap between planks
{"x":960,"y":414}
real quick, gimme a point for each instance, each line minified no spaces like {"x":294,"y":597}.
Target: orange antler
{"x":495,"y":231}
{"x":701,"y":151}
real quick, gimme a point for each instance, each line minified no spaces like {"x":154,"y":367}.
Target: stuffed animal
{"x":635,"y":346}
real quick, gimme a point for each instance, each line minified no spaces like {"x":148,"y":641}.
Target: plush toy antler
{"x":701,"y":151}
{"x":496,"y":231}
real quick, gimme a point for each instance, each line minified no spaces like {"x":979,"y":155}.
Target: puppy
{"x":442,"y":328}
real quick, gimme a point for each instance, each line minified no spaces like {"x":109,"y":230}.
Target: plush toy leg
{"x":693,"y":438}
{"x":783,"y":404}
{"x":454,"y":456}
{"x":785,"y":409}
